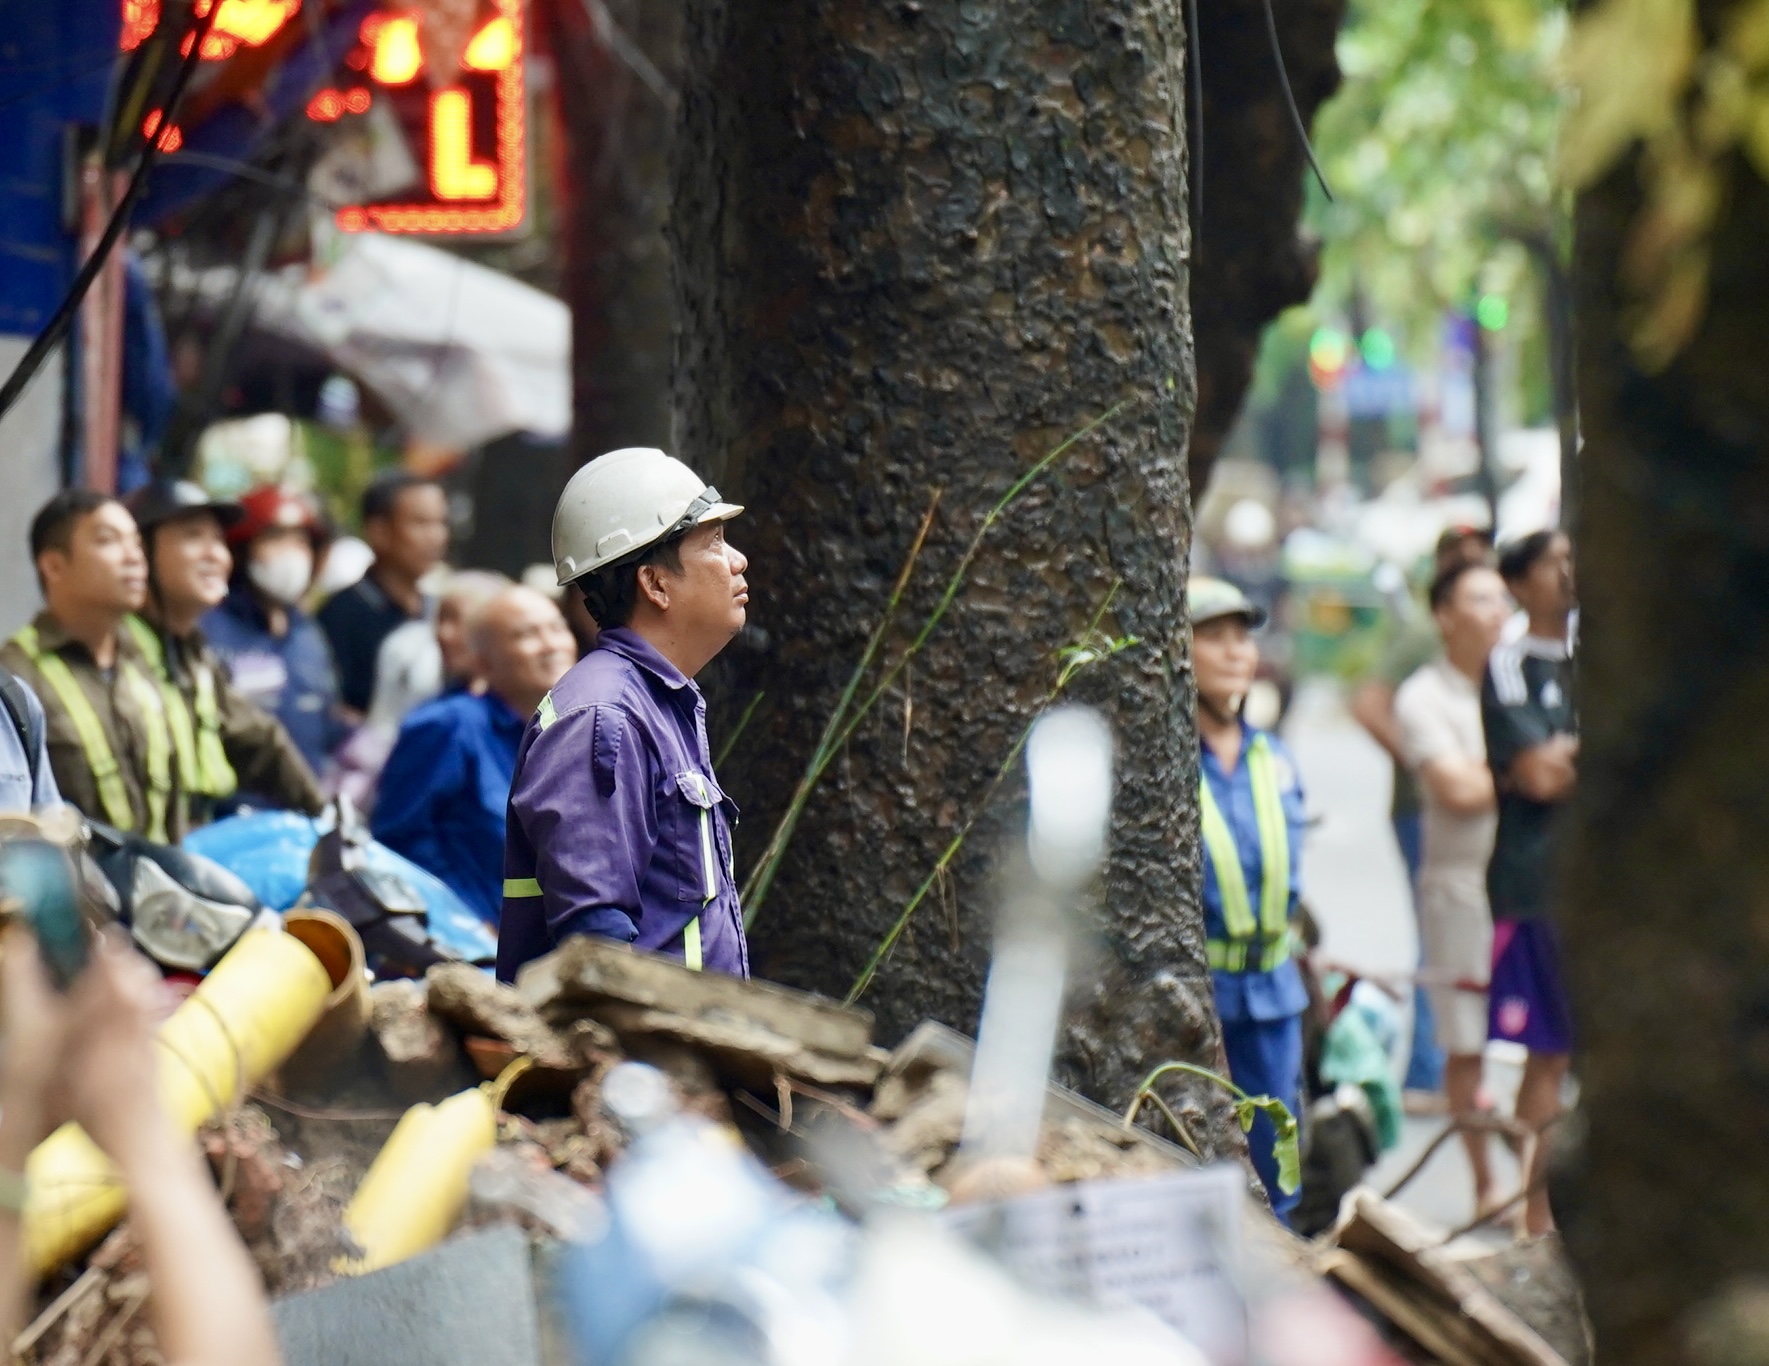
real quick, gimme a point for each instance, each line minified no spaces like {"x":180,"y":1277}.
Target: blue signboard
{"x":56,"y":59}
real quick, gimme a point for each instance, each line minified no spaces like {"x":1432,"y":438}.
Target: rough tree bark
{"x":1668,"y":872}
{"x":1252,"y":260}
{"x":917,"y":244}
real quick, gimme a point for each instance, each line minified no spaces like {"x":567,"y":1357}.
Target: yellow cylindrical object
{"x":249,"y":1014}
{"x":417,"y":1186}
{"x":334,"y":1041}
{"x":73,"y":1196}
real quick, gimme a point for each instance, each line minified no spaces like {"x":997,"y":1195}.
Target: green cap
{"x":1208,"y":599}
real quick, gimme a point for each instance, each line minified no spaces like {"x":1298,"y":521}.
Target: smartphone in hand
{"x":37,"y":885}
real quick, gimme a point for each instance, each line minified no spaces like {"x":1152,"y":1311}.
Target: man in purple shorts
{"x":1532,"y":747}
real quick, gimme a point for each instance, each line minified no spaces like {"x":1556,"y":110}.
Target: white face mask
{"x":282,"y":575}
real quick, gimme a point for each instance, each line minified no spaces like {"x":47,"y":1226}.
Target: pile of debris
{"x":797,"y":1075}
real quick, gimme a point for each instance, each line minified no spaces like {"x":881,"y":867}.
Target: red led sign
{"x":251,"y":23}
{"x":454,"y":82}
{"x":237,"y":24}
{"x":464,"y":118}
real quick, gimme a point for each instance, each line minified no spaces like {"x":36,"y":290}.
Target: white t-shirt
{"x":1438,"y":709}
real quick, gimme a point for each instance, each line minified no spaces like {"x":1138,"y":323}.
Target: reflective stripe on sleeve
{"x":545,"y":713}
{"x":691,"y":954}
{"x":522,"y":886}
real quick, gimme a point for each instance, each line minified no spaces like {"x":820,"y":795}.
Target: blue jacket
{"x":26,"y":780}
{"x":1254,"y":995}
{"x":290,"y":676}
{"x":617,"y":826}
{"x":444,"y":790}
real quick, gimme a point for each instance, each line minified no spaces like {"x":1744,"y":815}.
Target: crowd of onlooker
{"x":196,"y":657}
{"x":1474,"y":702}
{"x":409,"y":688}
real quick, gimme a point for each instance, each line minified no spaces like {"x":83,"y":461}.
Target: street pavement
{"x":1354,"y":880}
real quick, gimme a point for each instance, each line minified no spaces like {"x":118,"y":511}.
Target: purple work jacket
{"x":616,"y":825}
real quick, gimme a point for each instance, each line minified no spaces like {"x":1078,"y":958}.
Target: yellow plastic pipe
{"x":414,"y":1191}
{"x":249,"y":1014}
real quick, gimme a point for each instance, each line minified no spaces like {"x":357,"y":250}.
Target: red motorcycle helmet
{"x":271,"y":507}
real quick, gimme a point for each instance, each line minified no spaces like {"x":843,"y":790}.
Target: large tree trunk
{"x":917,"y":245}
{"x":1252,"y":261}
{"x":1668,"y":873}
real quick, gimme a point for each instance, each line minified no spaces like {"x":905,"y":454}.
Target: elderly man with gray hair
{"x":445,"y":787}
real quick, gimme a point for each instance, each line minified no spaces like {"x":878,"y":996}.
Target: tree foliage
{"x":1643,"y":77}
{"x":1440,"y":151}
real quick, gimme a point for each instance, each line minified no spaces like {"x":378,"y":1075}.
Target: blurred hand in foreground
{"x":89,"y":1055}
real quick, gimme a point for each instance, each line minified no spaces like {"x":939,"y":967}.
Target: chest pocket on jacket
{"x":15,"y":782}
{"x":699,"y":845}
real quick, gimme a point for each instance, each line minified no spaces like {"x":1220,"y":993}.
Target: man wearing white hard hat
{"x":616,"y":825}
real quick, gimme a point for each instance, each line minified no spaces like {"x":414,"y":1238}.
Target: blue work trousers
{"x":1265,"y":1059}
{"x":1425,"y":1058}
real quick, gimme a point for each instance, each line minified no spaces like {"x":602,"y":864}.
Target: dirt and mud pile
{"x":796,"y":1075}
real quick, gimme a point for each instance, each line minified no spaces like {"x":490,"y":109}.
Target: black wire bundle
{"x":50,"y":337}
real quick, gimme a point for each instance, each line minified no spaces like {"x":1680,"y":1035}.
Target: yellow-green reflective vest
{"x":203,"y":769}
{"x":107,"y":774}
{"x":1260,"y":941}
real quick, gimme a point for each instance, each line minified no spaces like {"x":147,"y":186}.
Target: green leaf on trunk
{"x":1288,"y":1146}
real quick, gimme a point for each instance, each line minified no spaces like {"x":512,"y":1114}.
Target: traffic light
{"x":1329,"y":351}
{"x":1377,"y":348}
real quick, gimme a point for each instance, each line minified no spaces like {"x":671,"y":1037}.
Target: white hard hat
{"x":622,"y":502}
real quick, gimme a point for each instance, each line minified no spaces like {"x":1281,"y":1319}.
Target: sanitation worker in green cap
{"x":1251,"y":811}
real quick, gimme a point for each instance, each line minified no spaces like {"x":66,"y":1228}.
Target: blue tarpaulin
{"x":268,"y":850}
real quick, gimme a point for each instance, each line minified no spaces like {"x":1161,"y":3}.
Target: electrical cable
{"x":1277,"y":53}
{"x":215,"y":204}
{"x":177,"y":443}
{"x":1195,"y":54}
{"x":246,"y":170}
{"x":50,"y":337}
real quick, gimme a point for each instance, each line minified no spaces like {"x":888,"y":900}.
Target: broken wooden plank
{"x":754,"y":1031}
{"x":1427,"y":1324}
{"x":1405,"y":1253}
{"x":738,"y":1045}
{"x":586,"y":969}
